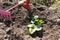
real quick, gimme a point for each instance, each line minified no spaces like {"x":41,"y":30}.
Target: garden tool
{"x":6,"y":14}
{"x":27,"y":6}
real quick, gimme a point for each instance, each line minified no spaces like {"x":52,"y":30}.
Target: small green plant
{"x":35,"y":25}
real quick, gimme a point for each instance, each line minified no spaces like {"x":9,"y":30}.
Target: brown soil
{"x":19,"y":31}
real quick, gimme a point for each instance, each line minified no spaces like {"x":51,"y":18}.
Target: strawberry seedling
{"x":35,"y":25}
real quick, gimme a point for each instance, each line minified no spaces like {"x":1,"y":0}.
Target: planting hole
{"x":10,"y":0}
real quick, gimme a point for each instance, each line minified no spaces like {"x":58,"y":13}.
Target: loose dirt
{"x":19,"y":31}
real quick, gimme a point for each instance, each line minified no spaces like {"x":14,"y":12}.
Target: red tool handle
{"x":26,"y":5}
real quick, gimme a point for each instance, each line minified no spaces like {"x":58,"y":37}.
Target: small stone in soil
{"x":58,"y":38}
{"x":8,"y":31}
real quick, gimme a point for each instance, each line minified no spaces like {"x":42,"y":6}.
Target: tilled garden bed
{"x":19,"y":31}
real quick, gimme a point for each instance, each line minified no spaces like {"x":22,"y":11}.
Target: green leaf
{"x":32,"y":21}
{"x":36,"y":17}
{"x":31,"y":31}
{"x":40,"y":22}
{"x":38,"y":29}
{"x":30,"y":25}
